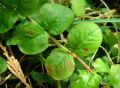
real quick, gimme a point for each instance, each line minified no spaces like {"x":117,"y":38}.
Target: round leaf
{"x":55,"y":18}
{"x":28,"y":30}
{"x":59,"y":65}
{"x":31,"y":37}
{"x":84,"y":38}
{"x":86,"y":80}
{"x":3,"y":65}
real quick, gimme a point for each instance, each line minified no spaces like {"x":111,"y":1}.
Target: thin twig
{"x":111,"y":15}
{"x":105,"y":5}
{"x":93,"y":57}
{"x":110,"y":60}
{"x":81,"y":61}
{"x":5,"y":79}
{"x":22,"y":59}
{"x":6,"y":85}
{"x":106,"y":15}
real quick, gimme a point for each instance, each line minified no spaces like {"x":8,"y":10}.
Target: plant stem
{"x":73,"y":54}
{"x":14,"y":66}
{"x":105,"y":5}
{"x":59,"y":85}
{"x":110,"y":60}
{"x":118,"y":39}
{"x":41,"y":58}
{"x":92,"y":57}
{"x":60,"y":45}
{"x":5,"y":79}
{"x":118,"y":60}
{"x":81,"y":61}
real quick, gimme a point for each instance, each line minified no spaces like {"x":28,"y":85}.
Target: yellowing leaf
{"x":31,"y":38}
{"x":59,"y":64}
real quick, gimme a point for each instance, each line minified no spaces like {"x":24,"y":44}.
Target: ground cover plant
{"x":59,"y":44}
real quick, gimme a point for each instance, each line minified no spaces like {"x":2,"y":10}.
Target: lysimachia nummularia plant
{"x":54,"y":37}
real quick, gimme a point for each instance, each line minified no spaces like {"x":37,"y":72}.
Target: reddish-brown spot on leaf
{"x":49,"y":70}
{"x":85,"y":49}
{"x":69,"y":64}
{"x":30,"y":33}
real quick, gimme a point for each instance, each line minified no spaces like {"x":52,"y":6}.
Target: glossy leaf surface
{"x":84,"y":38}
{"x":31,"y":37}
{"x":7,"y":19}
{"x":55,"y":18}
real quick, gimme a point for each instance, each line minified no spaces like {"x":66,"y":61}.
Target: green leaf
{"x":41,"y":2}
{"x":41,"y":77}
{"x":100,"y":66}
{"x":114,"y":50}
{"x":117,"y":25}
{"x":28,"y":30}
{"x":27,"y":7}
{"x":78,"y":6}
{"x":55,"y":18}
{"x":9,"y":4}
{"x":3,"y":65}
{"x":59,"y":64}
{"x":114,"y":76}
{"x":104,"y":10}
{"x":84,"y":38}
{"x":7,"y":20}
{"x":107,"y":36}
{"x":86,"y":80}
{"x":11,"y":41}
{"x":31,"y":38}
{"x":116,"y":20}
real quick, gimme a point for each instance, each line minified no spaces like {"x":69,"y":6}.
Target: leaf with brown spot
{"x":59,"y":64}
{"x":85,"y":38}
{"x":85,"y":50}
{"x":31,"y":38}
